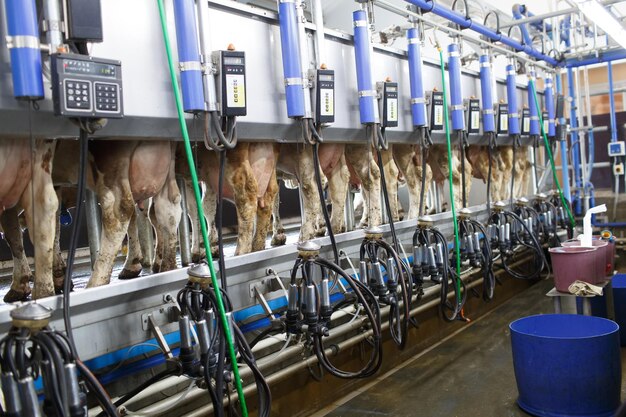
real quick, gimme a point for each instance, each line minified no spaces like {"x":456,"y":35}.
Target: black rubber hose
{"x":383,"y":183}
{"x":80,"y":196}
{"x":320,"y":192}
{"x":154,"y":379}
{"x":94,"y":386}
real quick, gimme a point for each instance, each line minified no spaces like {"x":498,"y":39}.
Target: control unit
{"x":503,"y":119}
{"x":84,"y":86}
{"x":231,"y":79}
{"x":388,"y":93}
{"x":616,"y":149}
{"x":324,"y":96}
{"x":435,"y":98}
{"x":472,"y":107}
{"x":525,"y":121}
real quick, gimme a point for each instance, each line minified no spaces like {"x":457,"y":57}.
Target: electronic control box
{"x":324,"y":96}
{"x":435,"y":100}
{"x":388,"y":93}
{"x":546,"y":122}
{"x":616,"y":149}
{"x":502,"y":122}
{"x":231,"y":82}
{"x":525,"y":122}
{"x":472,"y":108}
{"x":85,"y":86}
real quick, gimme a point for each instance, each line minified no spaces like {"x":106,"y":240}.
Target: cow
{"x":26,"y":183}
{"x":250,"y":182}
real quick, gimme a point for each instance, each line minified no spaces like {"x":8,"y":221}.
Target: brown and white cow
{"x":26,"y":182}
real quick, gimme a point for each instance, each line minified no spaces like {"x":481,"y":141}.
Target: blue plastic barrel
{"x":567,"y":365}
{"x":619,"y":303}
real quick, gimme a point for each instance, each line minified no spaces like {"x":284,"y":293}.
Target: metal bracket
{"x":270,"y":284}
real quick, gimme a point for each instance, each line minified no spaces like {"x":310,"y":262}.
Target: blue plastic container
{"x":567,"y":365}
{"x":619,"y":304}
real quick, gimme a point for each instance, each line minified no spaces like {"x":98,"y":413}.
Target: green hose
{"x":196,"y":190}
{"x":531,"y":85}
{"x":457,"y":244}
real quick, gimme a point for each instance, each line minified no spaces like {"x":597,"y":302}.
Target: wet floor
{"x":470,"y":374}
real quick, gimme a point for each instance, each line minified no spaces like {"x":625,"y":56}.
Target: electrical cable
{"x":194,"y":179}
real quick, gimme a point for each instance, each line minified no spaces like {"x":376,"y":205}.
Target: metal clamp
{"x":22,"y":41}
{"x":513,"y":115}
{"x":293,"y":81}
{"x":368,"y":93}
{"x":457,"y":107}
{"x":360,"y":23}
{"x":418,"y":100}
{"x":488,"y":111}
{"x":189,"y":66}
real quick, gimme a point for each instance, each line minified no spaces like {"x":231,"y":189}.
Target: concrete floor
{"x":470,"y":374}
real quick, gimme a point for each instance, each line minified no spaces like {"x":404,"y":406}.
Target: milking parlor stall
{"x":312,"y":208}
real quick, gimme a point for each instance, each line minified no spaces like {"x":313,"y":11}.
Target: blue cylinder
{"x":290,"y":48}
{"x":189,"y":55}
{"x":418,"y":104}
{"x":21,"y":16}
{"x":456,"y":94}
{"x":548,"y":93}
{"x":619,"y":304}
{"x":511,"y":97}
{"x":567,"y":365}
{"x":489,"y":124}
{"x":532,"y":104}
{"x":363,"y":58}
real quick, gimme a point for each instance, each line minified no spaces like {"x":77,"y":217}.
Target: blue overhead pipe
{"x":593,"y":59}
{"x":575,"y":144}
{"x":518,"y":11}
{"x":22,"y":27}
{"x":548,"y":94}
{"x":564,"y":157}
{"x":418,"y":103}
{"x":456,"y":94}
{"x":612,"y":104}
{"x":290,"y":49}
{"x":363,"y":58}
{"x":532,"y":104}
{"x":189,"y":55}
{"x":511,"y":96}
{"x":466,"y":23}
{"x":486,"y":94}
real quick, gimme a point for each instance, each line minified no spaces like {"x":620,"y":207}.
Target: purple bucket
{"x":602,"y":255}
{"x":571,"y":263}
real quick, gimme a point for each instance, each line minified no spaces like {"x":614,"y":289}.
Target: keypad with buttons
{"x":106,"y":97}
{"x":78,"y":94}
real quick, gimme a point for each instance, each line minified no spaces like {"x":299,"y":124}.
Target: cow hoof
{"x":145,"y":264}
{"x":196,"y":258}
{"x":14,"y":296}
{"x":279,"y":239}
{"x":127,"y":273}
{"x":58,"y":273}
{"x":321,"y":232}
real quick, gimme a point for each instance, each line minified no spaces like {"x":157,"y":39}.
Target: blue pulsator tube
{"x":22,"y":27}
{"x":532,"y":104}
{"x":456,"y":96}
{"x":418,"y":103}
{"x":489,"y":124}
{"x":363,"y":58}
{"x":290,"y":48}
{"x":511,"y":97}
{"x":189,"y":56}
{"x":548,"y":94}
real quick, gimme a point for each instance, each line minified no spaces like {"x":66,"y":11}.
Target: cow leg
{"x":58,"y":263}
{"x":264,"y":213}
{"x":366,"y":169}
{"x":167,"y":213}
{"x":279,"y":237}
{"x":338,"y":183}
{"x":197,"y":246}
{"x":506,"y":156}
{"x":20,"y":286}
{"x":134,"y":258}
{"x":116,"y":201}
{"x":391,"y":182}
{"x":312,"y":206}
{"x":245,"y":189}
{"x":40,"y":204}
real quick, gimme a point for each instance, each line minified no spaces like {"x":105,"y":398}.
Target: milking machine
{"x":309,"y":310}
{"x":33,"y":352}
{"x":476,"y":250}
{"x":397,"y":291}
